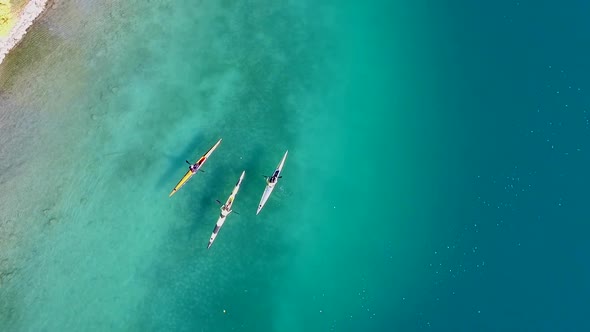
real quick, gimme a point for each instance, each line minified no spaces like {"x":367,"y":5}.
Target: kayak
{"x":270,"y":183}
{"x":194,"y":169}
{"x":225,"y":210}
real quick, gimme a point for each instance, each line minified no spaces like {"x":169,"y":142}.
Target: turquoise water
{"x":432,"y":164}
{"x":119,"y":104}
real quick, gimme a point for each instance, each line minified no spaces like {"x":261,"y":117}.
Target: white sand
{"x":31,"y":11}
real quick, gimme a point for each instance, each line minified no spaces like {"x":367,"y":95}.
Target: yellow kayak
{"x":193,"y":169}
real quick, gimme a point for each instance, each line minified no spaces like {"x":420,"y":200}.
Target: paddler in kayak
{"x":194,"y":167}
{"x":274,"y":177}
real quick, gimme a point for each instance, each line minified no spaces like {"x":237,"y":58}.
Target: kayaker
{"x":193,"y":168}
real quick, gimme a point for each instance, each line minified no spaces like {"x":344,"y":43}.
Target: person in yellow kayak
{"x":195,"y":167}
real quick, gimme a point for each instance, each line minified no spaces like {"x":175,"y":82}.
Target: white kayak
{"x":271,"y":183}
{"x":225,"y":210}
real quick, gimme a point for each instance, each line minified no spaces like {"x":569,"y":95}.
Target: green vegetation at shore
{"x":7,"y":17}
{"x":9,"y":13}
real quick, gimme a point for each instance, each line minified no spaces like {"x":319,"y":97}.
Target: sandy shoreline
{"x":27,"y":17}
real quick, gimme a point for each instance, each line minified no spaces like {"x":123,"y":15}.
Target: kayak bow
{"x":189,"y":174}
